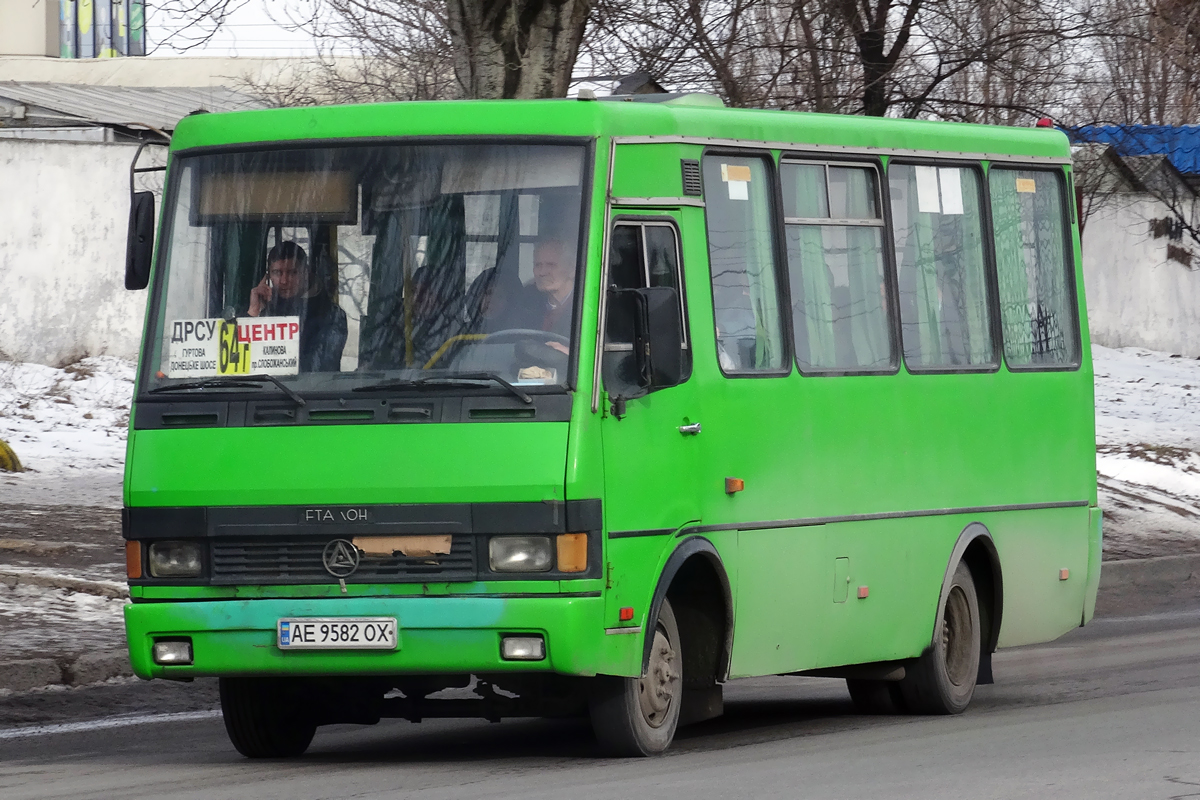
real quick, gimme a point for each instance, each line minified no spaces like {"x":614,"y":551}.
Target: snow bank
{"x":67,"y":426}
{"x":1148,"y":451}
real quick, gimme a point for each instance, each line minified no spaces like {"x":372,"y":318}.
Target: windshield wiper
{"x":458,"y":379}
{"x":230,"y":382}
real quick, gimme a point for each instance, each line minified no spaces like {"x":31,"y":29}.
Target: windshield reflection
{"x":327,"y":264}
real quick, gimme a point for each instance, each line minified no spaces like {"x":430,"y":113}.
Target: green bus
{"x":582,"y":407}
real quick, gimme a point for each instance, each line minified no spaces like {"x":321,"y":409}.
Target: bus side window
{"x":834,"y":232}
{"x":937,"y":223}
{"x":1034,"y":268}
{"x":640,"y":255}
{"x":741,"y":260}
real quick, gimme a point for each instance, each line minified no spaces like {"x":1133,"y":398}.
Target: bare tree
{"x":977,"y":60}
{"x":493,"y":48}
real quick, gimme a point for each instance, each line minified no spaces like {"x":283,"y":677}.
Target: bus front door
{"x":652,"y":451}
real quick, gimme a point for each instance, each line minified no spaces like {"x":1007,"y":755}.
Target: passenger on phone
{"x":290,"y":290}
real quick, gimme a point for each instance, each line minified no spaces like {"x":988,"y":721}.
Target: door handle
{"x":690,"y":430}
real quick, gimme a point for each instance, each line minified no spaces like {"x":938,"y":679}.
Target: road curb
{"x":35,"y":673}
{"x":1138,"y":586}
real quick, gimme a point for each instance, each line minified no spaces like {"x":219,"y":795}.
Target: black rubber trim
{"x":804,"y":522}
{"x":548,"y":517}
{"x":696,"y":545}
{"x":494,"y":595}
{"x":632,"y":534}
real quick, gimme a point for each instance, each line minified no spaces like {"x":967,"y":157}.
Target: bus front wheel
{"x":638,"y":716}
{"x":262,"y":717}
{"x":942,"y":681}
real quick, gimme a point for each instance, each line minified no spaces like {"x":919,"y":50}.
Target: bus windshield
{"x":336,"y":267}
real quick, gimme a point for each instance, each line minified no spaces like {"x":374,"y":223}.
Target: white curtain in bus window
{"x":1036,"y":313}
{"x":742,"y":263}
{"x":834,"y":234}
{"x":938,"y":234}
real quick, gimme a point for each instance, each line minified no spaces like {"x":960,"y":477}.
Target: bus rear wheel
{"x":263,"y":719}
{"x":942,"y":681}
{"x":638,"y":716}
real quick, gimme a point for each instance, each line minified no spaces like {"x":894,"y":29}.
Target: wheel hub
{"x":657,"y":688}
{"x":956,"y":637}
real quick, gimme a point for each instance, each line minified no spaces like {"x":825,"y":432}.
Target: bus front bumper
{"x":436,"y":635}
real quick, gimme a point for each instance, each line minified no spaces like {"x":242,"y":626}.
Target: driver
{"x":554,"y":280}
{"x":290,"y":290}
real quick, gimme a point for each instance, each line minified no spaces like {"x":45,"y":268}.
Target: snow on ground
{"x":67,"y":426}
{"x":1148,"y":451}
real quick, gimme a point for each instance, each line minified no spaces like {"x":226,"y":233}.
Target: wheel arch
{"x":976,"y":548}
{"x":693,"y":567}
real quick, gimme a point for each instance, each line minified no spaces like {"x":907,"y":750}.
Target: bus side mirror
{"x":658,"y":337}
{"x":139,"y":244}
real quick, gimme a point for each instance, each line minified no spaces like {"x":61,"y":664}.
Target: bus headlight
{"x":520,"y":553}
{"x":176,"y":560}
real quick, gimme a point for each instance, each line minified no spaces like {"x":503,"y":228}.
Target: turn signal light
{"x":133,"y":560}
{"x":572,"y":552}
{"x":734,"y":485}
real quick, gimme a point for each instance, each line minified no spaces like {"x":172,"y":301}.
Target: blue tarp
{"x":1181,"y":144}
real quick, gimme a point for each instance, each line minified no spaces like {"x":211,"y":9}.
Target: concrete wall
{"x":64,"y":210}
{"x":1136,"y":297}
{"x":28,"y":28}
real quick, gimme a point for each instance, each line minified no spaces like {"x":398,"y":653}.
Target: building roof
{"x":118,"y":106}
{"x":1181,"y":144}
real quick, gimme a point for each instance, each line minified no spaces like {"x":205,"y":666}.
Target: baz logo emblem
{"x":340,"y":558}
{"x":335,"y":515}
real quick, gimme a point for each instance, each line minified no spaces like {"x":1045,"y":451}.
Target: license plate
{"x":338,"y":633}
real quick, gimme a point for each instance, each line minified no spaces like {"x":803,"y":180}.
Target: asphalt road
{"x":1112,"y":710}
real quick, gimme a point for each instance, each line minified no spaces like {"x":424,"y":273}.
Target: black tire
{"x":638,"y":716}
{"x":942,"y":680}
{"x":874,"y":697}
{"x":261,"y":717}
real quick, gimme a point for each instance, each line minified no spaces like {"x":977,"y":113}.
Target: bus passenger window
{"x":938,"y":230}
{"x":834,"y":232}
{"x":1036,"y":312}
{"x":741,"y":258}
{"x":640,"y":254}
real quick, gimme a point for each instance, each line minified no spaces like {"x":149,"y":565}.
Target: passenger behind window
{"x":492,"y":304}
{"x":290,"y":289}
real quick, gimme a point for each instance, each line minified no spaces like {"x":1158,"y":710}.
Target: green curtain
{"x":978,"y":344}
{"x":760,"y":269}
{"x":812,"y":311}
{"x":239,"y":254}
{"x":1011,"y":269}
{"x":1050,"y":270}
{"x":921,"y":260}
{"x":868,"y":317}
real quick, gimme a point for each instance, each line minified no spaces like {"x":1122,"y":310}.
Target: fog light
{"x":520,"y":553}
{"x":522,"y":648}
{"x":175,"y":652}
{"x":175,"y":560}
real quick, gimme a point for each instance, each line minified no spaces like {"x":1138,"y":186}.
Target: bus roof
{"x":585,"y":118}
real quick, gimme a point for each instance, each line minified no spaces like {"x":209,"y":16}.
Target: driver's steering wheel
{"x":531,"y":344}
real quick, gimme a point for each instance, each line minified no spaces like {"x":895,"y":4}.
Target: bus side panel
{"x":1034,"y":547}
{"x":782,"y":594}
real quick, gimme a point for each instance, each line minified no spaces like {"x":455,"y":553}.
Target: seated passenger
{"x":491,"y":304}
{"x":290,"y":290}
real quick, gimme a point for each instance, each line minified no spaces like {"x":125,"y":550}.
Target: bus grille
{"x":271,"y":561}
